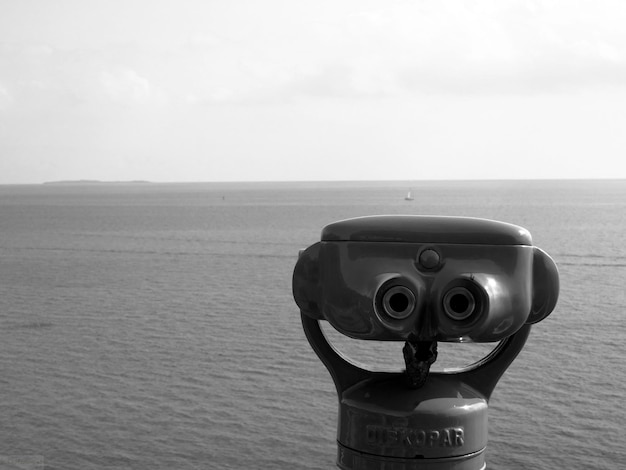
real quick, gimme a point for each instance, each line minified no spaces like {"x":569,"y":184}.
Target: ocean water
{"x":148,"y":326}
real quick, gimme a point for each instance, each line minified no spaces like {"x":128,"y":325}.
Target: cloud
{"x":356,"y":50}
{"x":5,"y":97}
{"x":126,"y":86}
{"x":37,"y":77}
{"x":462,"y":47}
{"x":427,"y":47}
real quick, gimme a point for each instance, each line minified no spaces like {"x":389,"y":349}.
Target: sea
{"x":152,"y":326}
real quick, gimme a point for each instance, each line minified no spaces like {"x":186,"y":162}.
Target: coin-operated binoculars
{"x":421,"y":279}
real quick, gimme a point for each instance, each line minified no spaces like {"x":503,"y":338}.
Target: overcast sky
{"x":235,"y":90}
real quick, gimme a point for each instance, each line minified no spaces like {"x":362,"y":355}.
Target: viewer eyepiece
{"x":398,"y":302}
{"x":459,"y":303}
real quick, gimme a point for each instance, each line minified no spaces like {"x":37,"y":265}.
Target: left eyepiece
{"x":398,"y":302}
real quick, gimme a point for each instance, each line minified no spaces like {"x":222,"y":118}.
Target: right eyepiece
{"x":459,"y":303}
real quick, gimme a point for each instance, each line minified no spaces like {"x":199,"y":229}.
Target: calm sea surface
{"x":151,"y":326}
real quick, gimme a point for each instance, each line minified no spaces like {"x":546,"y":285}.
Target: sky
{"x":299,"y":90}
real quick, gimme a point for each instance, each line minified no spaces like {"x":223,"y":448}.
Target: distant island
{"x":95,"y":182}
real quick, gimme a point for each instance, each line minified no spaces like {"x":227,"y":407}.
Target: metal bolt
{"x":429,"y":259}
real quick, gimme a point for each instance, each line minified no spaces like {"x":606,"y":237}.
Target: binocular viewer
{"x":421,"y":280}
{"x":435,"y":278}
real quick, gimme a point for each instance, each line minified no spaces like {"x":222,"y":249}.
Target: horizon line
{"x":87,"y":182}
{"x":451,"y":180}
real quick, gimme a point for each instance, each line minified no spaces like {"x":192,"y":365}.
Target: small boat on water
{"x":408,"y":196}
